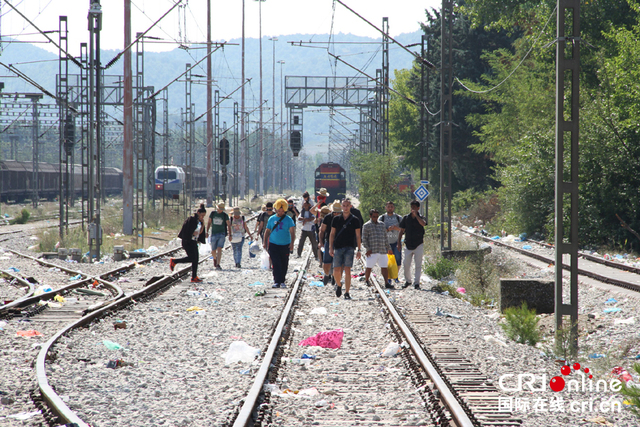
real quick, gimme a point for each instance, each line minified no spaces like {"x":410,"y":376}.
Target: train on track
{"x":332,"y":177}
{"x":16,"y":180}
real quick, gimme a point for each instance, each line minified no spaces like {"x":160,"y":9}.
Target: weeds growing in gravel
{"x":441,"y":269}
{"x":22,"y":218}
{"x":521,"y":325}
{"x":632,"y":393}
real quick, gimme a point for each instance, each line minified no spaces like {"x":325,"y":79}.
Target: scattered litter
{"x":319,"y":310}
{"x":53,"y":270}
{"x":270,"y":388}
{"x":308,"y":356}
{"x":596,"y":356}
{"x":316,"y":283}
{"x":440,"y":312}
{"x":112,"y":345}
{"x":29,"y":333}
{"x":321,"y":403}
{"x":124,"y":280}
{"x":622,"y":374}
{"x":245,"y":372}
{"x":493,"y":340}
{"x":611,"y":301}
{"x":42,"y":290}
{"x":54,"y":304}
{"x":256,"y":284}
{"x":240,"y":351}
{"x":612,"y":310}
{"x":527,"y":247}
{"x":494,"y":315}
{"x":22,"y":416}
{"x":59,"y":298}
{"x":309,"y":392}
{"x":2,"y":325}
{"x":260,"y":293}
{"x":461,"y":290}
{"x":113,"y":364}
{"x":78,"y":277}
{"x":305,"y":362}
{"x":89,"y":292}
{"x":629,"y":321}
{"x":325,"y":339}
{"x":15,"y":270}
{"x":119,"y":324}
{"x":599,"y":420}
{"x":194,"y":308}
{"x":392,"y":349}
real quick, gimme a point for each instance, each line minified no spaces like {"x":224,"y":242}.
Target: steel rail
{"x":446,"y":394}
{"x":55,"y":403}
{"x":581,"y":272}
{"x":251,"y":399}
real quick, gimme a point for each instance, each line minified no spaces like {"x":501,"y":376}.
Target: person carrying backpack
{"x":192,"y":233}
{"x":237,"y":228}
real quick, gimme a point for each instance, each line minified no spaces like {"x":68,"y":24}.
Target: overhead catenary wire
{"x":517,"y":66}
{"x":70,"y":57}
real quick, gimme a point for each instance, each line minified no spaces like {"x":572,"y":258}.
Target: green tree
{"x":377,"y":177}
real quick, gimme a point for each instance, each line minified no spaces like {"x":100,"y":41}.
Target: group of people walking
{"x":337,"y":234}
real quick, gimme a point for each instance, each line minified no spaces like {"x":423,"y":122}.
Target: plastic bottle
{"x":305,"y":362}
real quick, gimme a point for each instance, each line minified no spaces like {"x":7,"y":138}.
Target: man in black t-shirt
{"x":323,"y":242}
{"x":412,"y":227}
{"x":343,"y":242}
{"x":263,"y":219}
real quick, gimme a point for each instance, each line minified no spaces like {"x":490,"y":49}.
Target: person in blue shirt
{"x":278,"y":241}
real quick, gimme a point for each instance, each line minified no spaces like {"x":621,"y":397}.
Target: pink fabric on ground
{"x":326,"y":339}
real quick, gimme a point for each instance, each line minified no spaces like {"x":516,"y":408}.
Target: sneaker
{"x":406,"y":285}
{"x":172,"y":264}
{"x":416,"y":286}
{"x":196,"y":280}
{"x":347,"y":296}
{"x":283,"y":285}
{"x":389,"y":286}
{"x":326,"y":279}
{"x":218,"y":267}
{"x":238,"y":265}
{"x":338,"y":291}
{"x":276,"y":285}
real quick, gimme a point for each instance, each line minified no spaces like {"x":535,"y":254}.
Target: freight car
{"x":16,"y":180}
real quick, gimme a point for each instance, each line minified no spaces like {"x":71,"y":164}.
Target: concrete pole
{"x":127,"y":145}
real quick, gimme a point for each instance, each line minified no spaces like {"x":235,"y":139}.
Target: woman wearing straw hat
{"x":322,"y":195}
{"x":278,"y":241}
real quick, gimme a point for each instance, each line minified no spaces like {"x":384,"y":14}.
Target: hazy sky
{"x":187,"y":22}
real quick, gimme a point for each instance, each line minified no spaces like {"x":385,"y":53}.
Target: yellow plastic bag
{"x":392,"y":267}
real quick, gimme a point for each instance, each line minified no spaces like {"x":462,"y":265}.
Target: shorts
{"x":216,"y":241}
{"x":326,"y":258}
{"x":381,"y":259}
{"x":343,"y":257}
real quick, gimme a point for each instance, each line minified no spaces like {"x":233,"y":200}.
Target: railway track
{"x":605,"y":271}
{"x":443,"y":388}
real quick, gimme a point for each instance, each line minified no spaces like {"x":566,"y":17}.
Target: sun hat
{"x":323,"y":192}
{"x":220,"y":206}
{"x":336,"y":207}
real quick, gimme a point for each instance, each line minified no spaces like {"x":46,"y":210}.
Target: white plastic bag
{"x":264,"y":260}
{"x":392,"y":349}
{"x":254,"y":247}
{"x":240,"y":351}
